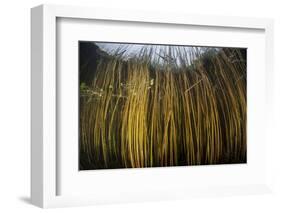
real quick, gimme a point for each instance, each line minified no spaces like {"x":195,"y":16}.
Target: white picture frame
{"x":44,"y":153}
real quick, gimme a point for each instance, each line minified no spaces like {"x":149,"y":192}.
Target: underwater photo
{"x":157,"y":105}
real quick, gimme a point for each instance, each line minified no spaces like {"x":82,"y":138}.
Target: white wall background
{"x":15,"y":105}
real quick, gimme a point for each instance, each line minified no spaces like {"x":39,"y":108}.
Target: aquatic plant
{"x":171,"y":108}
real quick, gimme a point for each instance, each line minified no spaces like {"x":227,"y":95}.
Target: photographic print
{"x":156,"y":105}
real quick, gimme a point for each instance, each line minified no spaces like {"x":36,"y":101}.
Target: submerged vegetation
{"x":169,"y":107}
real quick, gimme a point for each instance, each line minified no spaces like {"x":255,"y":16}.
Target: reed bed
{"x":174,"y":108}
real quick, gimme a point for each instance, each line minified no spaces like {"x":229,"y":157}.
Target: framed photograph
{"x":129,"y":106}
